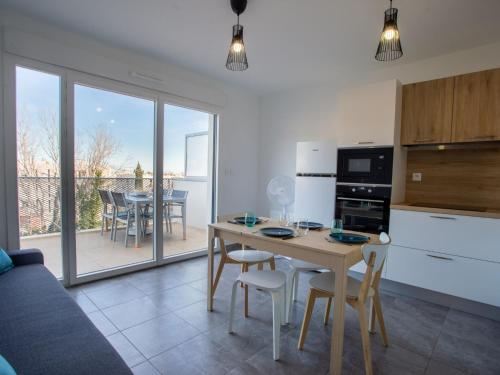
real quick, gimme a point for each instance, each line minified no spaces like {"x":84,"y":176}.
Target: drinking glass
{"x":337,"y":226}
{"x":302,"y":227}
{"x":250,"y":219}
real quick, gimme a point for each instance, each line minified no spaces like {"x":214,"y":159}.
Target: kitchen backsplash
{"x":467,"y":177}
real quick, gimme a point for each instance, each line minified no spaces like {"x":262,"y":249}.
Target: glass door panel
{"x":186,"y":165}
{"x":38,"y":96}
{"x":114,"y":153}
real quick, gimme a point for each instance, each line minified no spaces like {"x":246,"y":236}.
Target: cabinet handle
{"x":439,"y":257}
{"x":365,"y":142}
{"x":423,"y":140}
{"x":443,"y":217}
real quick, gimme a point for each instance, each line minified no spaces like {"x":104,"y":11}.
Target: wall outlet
{"x":416,"y":176}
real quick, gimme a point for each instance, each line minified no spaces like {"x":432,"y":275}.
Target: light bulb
{"x":237,"y":46}
{"x":389,"y":34}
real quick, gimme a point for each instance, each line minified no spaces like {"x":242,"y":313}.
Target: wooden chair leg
{"x":222,"y":262}
{"x":311,"y":299}
{"x":365,"y":337}
{"x":380,"y":317}
{"x":372,"y":316}
{"x":272,"y":264}
{"x":327,"y":311}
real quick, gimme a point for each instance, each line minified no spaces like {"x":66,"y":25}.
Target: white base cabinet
{"x":472,"y":279}
{"x":452,"y":254}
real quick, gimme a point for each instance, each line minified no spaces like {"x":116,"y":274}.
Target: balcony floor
{"x":97,"y":253}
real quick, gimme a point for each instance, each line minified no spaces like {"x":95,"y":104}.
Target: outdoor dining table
{"x":312,"y":248}
{"x":139,"y":201}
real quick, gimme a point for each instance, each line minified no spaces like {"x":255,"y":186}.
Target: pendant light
{"x":237,"y":57}
{"x":389,"y":47}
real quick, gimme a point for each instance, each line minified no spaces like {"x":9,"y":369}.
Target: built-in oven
{"x":363,"y":208}
{"x":365,"y":165}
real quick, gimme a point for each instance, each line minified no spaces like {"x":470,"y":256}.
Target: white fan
{"x":281,"y":191}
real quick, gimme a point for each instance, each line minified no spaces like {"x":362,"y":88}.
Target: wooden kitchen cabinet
{"x":427,"y":112}
{"x":476,"y":108}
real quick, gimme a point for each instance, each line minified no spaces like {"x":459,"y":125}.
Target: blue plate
{"x":241,"y":220}
{"x":310,"y":225}
{"x":277,"y":232}
{"x":349,"y":238}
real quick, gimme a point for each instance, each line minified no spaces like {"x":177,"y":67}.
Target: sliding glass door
{"x":114,"y":153}
{"x":186,"y":168}
{"x":109,"y":178}
{"x":38,"y":119}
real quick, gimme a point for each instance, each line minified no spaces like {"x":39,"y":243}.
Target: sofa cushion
{"x":5,"y":367}
{"x":44,"y":331}
{"x":5,"y":262}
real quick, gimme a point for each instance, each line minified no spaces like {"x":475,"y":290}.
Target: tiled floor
{"x":157,"y":321}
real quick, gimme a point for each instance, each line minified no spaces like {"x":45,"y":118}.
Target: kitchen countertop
{"x":477,"y":212}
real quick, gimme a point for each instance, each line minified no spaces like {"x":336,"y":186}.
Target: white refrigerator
{"x":315,"y":181}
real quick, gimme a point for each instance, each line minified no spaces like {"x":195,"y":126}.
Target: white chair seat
{"x":326,"y":282}
{"x":250,"y":256}
{"x":269,"y":280}
{"x":304,"y":266}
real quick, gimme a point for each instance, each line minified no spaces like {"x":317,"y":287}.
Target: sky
{"x":129,"y":120}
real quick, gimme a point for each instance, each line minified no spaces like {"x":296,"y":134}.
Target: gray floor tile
{"x":198,"y":316}
{"x":177,"y":298}
{"x":414,"y":324}
{"x":84,"y":302}
{"x":145,"y":368}
{"x":114,"y":295}
{"x":438,"y":368}
{"x":127,"y":351}
{"x":466,"y":355}
{"x":160,"y":334}
{"x":479,"y":330}
{"x":133,"y":312}
{"x":102,"y":323}
{"x":198,"y":355}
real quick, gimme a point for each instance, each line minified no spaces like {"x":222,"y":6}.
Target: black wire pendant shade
{"x":237,"y":57}
{"x":389,"y":47}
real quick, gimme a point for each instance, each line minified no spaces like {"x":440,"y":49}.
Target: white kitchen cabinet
{"x":367,"y":115}
{"x":458,"y":276}
{"x":466,"y":236}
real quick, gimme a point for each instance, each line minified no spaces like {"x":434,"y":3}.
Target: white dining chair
{"x":273,"y":282}
{"x":243,"y":257}
{"x":358,"y":293}
{"x":297,"y":267}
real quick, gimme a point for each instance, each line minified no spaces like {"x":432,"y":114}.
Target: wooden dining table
{"x":313,"y":248}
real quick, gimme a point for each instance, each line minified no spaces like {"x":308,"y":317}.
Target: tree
{"x":139,"y":174}
{"x":97,"y":153}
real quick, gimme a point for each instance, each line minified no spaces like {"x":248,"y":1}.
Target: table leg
{"x":137,"y":224}
{"x":210,"y":273}
{"x":184,"y":220}
{"x":338,"y":318}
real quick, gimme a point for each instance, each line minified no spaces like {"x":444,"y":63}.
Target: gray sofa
{"x":43,"y":330}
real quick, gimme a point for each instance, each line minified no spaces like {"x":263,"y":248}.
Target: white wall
{"x":238,"y":109}
{"x":312,"y":113}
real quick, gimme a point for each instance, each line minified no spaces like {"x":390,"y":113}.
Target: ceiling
{"x":289,"y":43}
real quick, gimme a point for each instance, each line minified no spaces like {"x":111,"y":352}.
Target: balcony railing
{"x":40,"y":201}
